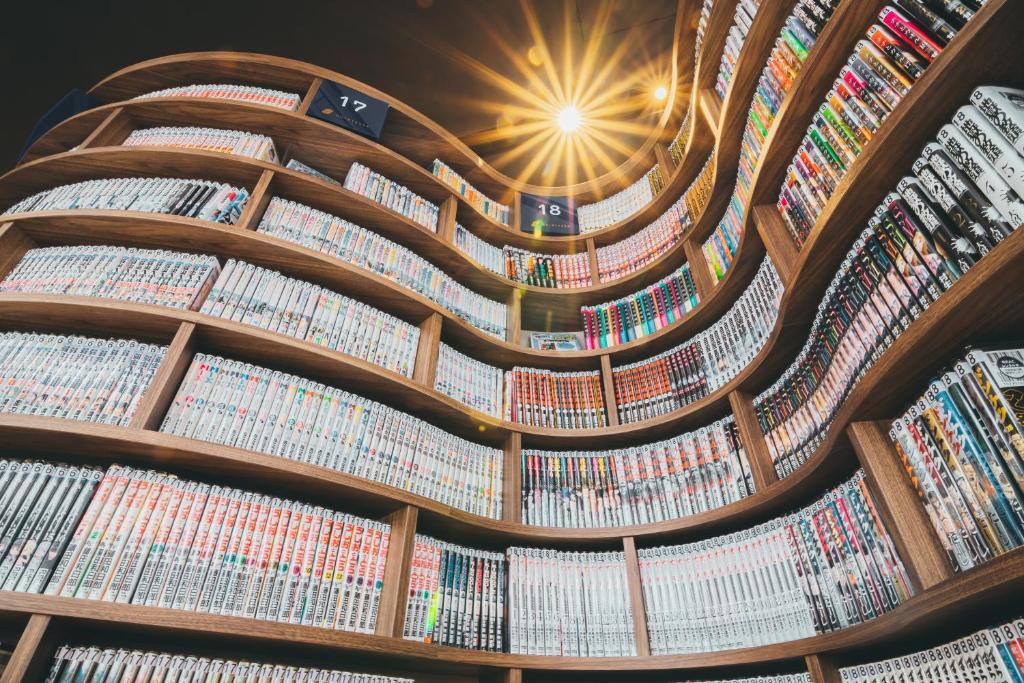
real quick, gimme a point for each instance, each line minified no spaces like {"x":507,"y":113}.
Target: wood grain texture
{"x":512,"y":480}
{"x":114,"y":129}
{"x":427,"y":350}
{"x":157,"y":397}
{"x":31,"y":656}
{"x":634,"y":584}
{"x":777,"y":240}
{"x":257,"y":204}
{"x":397,"y":566}
{"x":611,"y":401}
{"x":752,"y":438}
{"x":822,"y":669}
{"x":899,"y":505}
{"x":702,"y":279}
{"x":595,"y":267}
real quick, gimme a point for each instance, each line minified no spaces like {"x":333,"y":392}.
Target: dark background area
{"x":416,"y":50}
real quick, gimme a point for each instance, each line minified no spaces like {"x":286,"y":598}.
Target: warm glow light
{"x":569,"y":119}
{"x":660,"y":93}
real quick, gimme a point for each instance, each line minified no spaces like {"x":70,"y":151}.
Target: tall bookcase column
{"x":611,"y":406}
{"x":31,"y":656}
{"x":425,"y":369}
{"x":113,"y":130}
{"x":397,"y":567}
{"x":446,"y":219}
{"x":514,"y":317}
{"x":752,"y":439}
{"x":257,"y":204}
{"x":899,"y":505}
{"x":158,"y":396}
{"x":511,"y":479}
{"x":636,"y":597}
{"x":822,"y":668}
{"x":698,"y":268}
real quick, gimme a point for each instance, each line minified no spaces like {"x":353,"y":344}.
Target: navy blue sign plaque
{"x":547,"y":215}
{"x":349,"y":108}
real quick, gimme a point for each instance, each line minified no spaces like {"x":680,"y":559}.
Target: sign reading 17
{"x":356,"y":104}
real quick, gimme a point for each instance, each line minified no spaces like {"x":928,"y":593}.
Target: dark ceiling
{"x":427,"y":53}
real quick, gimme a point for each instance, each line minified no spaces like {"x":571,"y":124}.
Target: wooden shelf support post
{"x":698,"y":268}
{"x":822,"y":668}
{"x":257,"y":204}
{"x":514,"y":317}
{"x":397,"y":565}
{"x":664,"y":163}
{"x":114,"y":130}
{"x":611,"y":405}
{"x":753,"y":440}
{"x":158,"y":396}
{"x":307,"y":99}
{"x":511,"y":481}
{"x":446,"y":218}
{"x":777,"y":241}
{"x":32,"y":654}
{"x":899,"y":506}
{"x":13,"y":245}
{"x":636,"y":597}
{"x":425,"y":369}
{"x":595,"y":267}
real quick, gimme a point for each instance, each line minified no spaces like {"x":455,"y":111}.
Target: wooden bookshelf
{"x":976,"y":309}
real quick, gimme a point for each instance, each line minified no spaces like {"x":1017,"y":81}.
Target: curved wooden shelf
{"x":998,"y":580}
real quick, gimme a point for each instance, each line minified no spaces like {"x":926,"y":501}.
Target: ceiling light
{"x":660,"y":93}
{"x":569,"y":119}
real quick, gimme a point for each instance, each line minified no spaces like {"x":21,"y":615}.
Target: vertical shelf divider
{"x":158,"y":396}
{"x":698,"y":268}
{"x":511,"y":480}
{"x":446,"y":219}
{"x":899,"y":505}
{"x":13,"y":246}
{"x":516,"y":222}
{"x":514,"y":318}
{"x":636,"y":597}
{"x":425,"y":369}
{"x":33,"y":652}
{"x":595,"y":268}
{"x":664,"y":162}
{"x":822,"y":668}
{"x":753,"y":441}
{"x":777,"y":241}
{"x":397,"y":566}
{"x":611,"y":406}
{"x":112,"y":131}
{"x":307,"y":99}
{"x":257,"y":204}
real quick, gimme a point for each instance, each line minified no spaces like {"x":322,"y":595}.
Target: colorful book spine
{"x":746,"y":10}
{"x":641,"y":314}
{"x":698,"y":194}
{"x":558,"y":271}
{"x":207,"y":139}
{"x":75,"y":378}
{"x":477,"y":199}
{"x":685,"y":475}
{"x":486,"y":254}
{"x":620,"y":205}
{"x":147,"y":276}
{"x":266,"y":299}
{"x":249,"y":94}
{"x":825,"y":567}
{"x":617,"y":260}
{"x":468,"y":381}
{"x":546,"y":398}
{"x":202,"y":199}
{"x":391,"y":194}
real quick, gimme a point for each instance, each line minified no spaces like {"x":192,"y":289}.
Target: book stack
{"x":266,"y":299}
{"x":477,"y":199}
{"x":746,"y":10}
{"x":629,"y":255}
{"x":546,"y":398}
{"x":486,"y":254}
{"x":961,"y":445}
{"x":828,"y":566}
{"x":202,"y":199}
{"x":569,"y":604}
{"x":387,"y":192}
{"x":244,"y":406}
{"x":559,"y":271}
{"x":75,"y":378}
{"x":207,"y":139}
{"x":96,"y":665}
{"x":677,"y":148}
{"x":681,"y":476}
{"x":239,"y":93}
{"x":620,"y":205}
{"x":721,"y":246}
{"x":348,"y":242}
{"x":467,"y":380}
{"x":147,"y":276}
{"x":641,"y":314}
{"x":40,"y":506}
{"x":149,"y":538}
{"x":698,"y":193}
{"x":958,"y":203}
{"x":705,"y":363}
{"x":456,"y":596}
{"x":296,"y":165}
{"x":877,"y":76}
{"x":991,"y":654}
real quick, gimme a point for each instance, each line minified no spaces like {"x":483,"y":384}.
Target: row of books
{"x":640,"y":314}
{"x":619,"y":259}
{"x":825,"y":567}
{"x":569,"y":604}
{"x":720,"y":248}
{"x":991,"y":654}
{"x":149,"y":538}
{"x":677,"y":148}
{"x":547,"y":398}
{"x":961,"y":445}
{"x":75,"y":378}
{"x":353,"y":244}
{"x":149,"y":276}
{"x":208,"y":139}
{"x":107,"y":665}
{"x":559,"y":271}
{"x":746,"y":10}
{"x":40,"y":506}
{"x":270,"y":301}
{"x":391,"y":194}
{"x":698,"y":194}
{"x":223,"y":91}
{"x":702,"y":27}
{"x":202,"y":199}
{"x":486,"y":254}
{"x":456,"y":596}
{"x":477,"y":199}
{"x":954,"y":208}
{"x":468,"y":381}
{"x":877,"y":76}
{"x":256,"y":409}
{"x":705,"y":363}
{"x":296,"y":165}
{"x":685,"y":475}
{"x":620,"y":205}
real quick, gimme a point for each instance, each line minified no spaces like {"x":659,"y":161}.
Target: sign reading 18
{"x":550,"y":209}
{"x":356,"y":104}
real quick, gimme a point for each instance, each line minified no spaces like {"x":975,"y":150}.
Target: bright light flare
{"x":660,"y":93}
{"x":569,"y":119}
